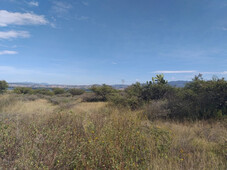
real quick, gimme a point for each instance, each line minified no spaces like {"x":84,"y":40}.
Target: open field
{"x":37,"y":134}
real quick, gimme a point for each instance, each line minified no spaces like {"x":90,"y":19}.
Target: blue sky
{"x":111,"y":41}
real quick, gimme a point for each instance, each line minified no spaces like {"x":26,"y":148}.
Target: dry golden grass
{"x":97,"y":136}
{"x":88,"y":107}
{"x":38,"y":107}
{"x":200,"y":145}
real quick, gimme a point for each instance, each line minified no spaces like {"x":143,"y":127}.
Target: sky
{"x":111,"y":41}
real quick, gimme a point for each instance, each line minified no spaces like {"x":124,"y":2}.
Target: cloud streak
{"x":189,"y":72}
{"x":6,"y":52}
{"x":214,"y":73}
{"x":174,"y":72}
{"x":14,"y":34}
{"x":16,"y":18}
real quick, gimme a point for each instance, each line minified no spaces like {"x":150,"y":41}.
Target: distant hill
{"x":46,"y":85}
{"x":179,"y":83}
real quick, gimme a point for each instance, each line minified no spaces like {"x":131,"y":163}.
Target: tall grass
{"x":39,"y":135}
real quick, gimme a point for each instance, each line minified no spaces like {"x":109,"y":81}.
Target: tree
{"x":155,"y":89}
{"x":159,"y":79}
{"x":3,"y":86}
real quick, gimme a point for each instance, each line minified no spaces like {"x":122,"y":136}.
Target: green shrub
{"x":58,"y":90}
{"x":103,"y":92}
{"x":91,"y":97}
{"x":118,"y":99}
{"x":43,"y":91}
{"x":23,"y":90}
{"x":75,"y":92}
{"x":3,"y":86}
{"x":200,"y":99}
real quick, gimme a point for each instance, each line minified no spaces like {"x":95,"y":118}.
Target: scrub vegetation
{"x":146,"y":126}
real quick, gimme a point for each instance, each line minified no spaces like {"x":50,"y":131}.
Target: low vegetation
{"x":146,"y":126}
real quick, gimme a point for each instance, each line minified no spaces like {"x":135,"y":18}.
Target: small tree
{"x":159,"y":79}
{"x":3,"y":86}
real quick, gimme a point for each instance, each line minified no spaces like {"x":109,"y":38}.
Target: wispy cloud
{"x":189,"y":72}
{"x":11,"y":70}
{"x":6,"y":52}
{"x":14,"y":34}
{"x":85,"y":3}
{"x":16,"y":18}
{"x":33,"y":3}
{"x":224,"y":28}
{"x":215,"y":73}
{"x":61,"y":7}
{"x":174,"y":72}
{"x":82,"y":18}
{"x":17,"y":71}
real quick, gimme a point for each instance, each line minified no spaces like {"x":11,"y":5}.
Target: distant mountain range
{"x":46,"y":85}
{"x":179,"y":83}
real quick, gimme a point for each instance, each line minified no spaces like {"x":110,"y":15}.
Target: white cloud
{"x":16,"y":18}
{"x":174,"y":72}
{"x":7,"y":52}
{"x":14,"y":34}
{"x":33,"y":3}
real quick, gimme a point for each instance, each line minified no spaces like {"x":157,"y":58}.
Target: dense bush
{"x":58,"y":90}
{"x":156,"y":109}
{"x":136,"y":95}
{"x":103,"y":92}
{"x":3,"y":86}
{"x":23,"y":90}
{"x":27,"y":90}
{"x":75,"y":92}
{"x":43,"y":91}
{"x":200,"y":99}
{"x":153,"y":91}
